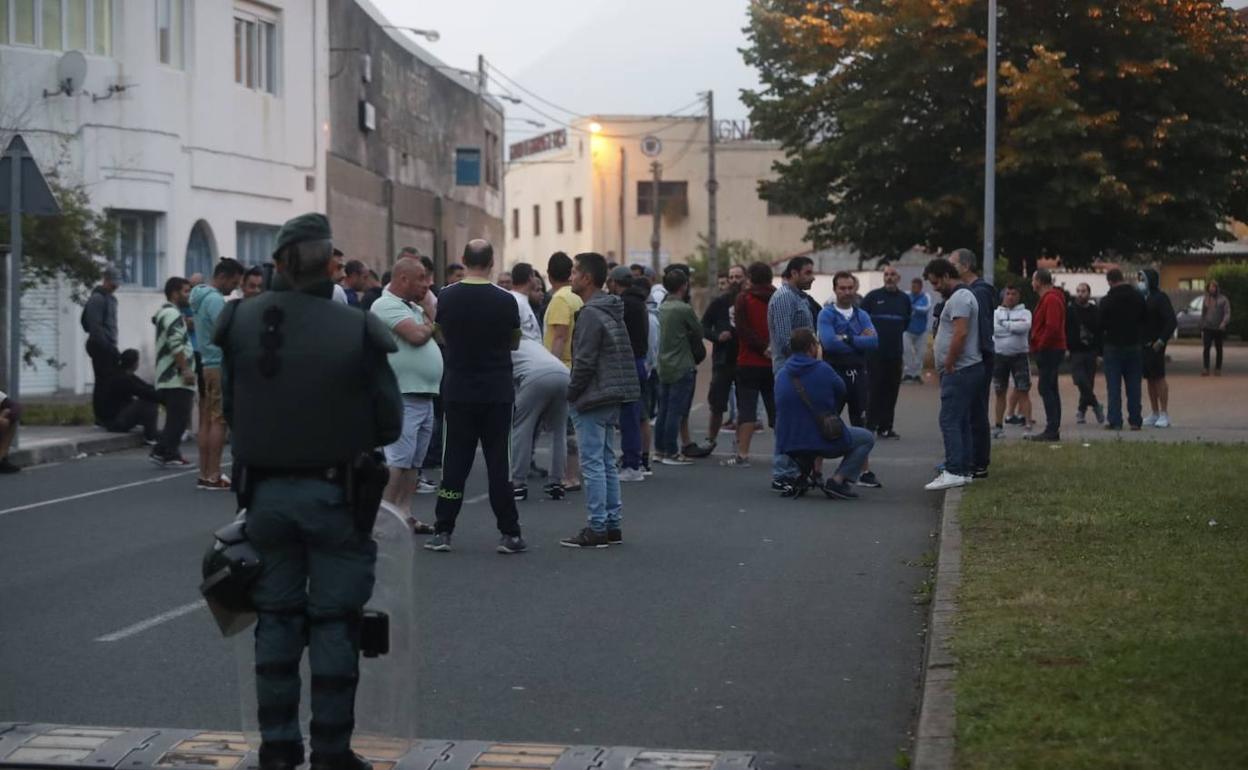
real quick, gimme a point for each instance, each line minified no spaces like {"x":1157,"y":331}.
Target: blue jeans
{"x":958,"y":394}
{"x":674,"y":401}
{"x":783,"y":466}
{"x":595,"y":431}
{"x":1123,"y":366}
{"x":863,"y":441}
{"x":630,"y":425}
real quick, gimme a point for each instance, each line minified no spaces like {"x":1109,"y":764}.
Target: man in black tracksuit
{"x":889,"y":308}
{"x":1083,"y":340}
{"x":718,"y":328}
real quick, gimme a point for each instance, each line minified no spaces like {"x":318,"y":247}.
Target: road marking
{"x":152,"y":622}
{"x":104,"y":491}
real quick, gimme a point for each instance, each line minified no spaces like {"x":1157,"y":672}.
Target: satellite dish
{"x":71,"y":71}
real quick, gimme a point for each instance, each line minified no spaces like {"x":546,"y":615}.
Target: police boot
{"x":281,"y":755}
{"x":347,"y":760}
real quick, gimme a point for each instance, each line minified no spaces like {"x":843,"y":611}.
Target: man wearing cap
{"x":308,"y":394}
{"x":99,"y":321}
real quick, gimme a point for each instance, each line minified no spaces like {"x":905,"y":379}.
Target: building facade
{"x":414,"y":155}
{"x":588,"y":188}
{"x":199,"y":127}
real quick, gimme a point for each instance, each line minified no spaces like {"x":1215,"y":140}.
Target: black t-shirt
{"x":479,"y":321}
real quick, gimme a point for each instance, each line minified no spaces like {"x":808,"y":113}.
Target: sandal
{"x":419,"y":527}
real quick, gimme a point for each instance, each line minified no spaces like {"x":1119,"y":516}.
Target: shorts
{"x":1154,"y":363}
{"x":722,"y":378}
{"x":753,"y":381}
{"x":211,"y":408}
{"x":408,"y":451}
{"x":1016,"y":366}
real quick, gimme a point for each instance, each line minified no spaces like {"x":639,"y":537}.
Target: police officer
{"x":307,"y":392}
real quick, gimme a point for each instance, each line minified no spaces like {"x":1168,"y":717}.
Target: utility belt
{"x":363,"y":480}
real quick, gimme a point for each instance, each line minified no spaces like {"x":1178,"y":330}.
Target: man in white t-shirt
{"x":521,"y":289}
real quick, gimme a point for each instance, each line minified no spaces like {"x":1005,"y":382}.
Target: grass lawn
{"x":56,"y":413}
{"x":1104,"y":608}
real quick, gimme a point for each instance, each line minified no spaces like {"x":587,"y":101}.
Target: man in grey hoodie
{"x":604,"y":377}
{"x":99,"y":321}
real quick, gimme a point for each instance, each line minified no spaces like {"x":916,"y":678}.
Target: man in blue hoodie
{"x":207,"y":302}
{"x":807,"y":388}
{"x":847,"y":334}
{"x":915,"y":338}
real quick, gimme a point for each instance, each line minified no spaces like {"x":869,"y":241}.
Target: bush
{"x":1232,"y":278}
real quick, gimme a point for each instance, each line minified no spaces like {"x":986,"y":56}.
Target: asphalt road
{"x":730,"y":619}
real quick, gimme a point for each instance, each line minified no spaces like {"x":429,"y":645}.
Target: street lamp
{"x":990,"y":150}
{"x":507,"y":98}
{"x":530,"y":121}
{"x":428,"y":34}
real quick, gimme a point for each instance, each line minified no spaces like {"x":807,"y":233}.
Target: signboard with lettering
{"x":553,"y":140}
{"x":734,"y":131}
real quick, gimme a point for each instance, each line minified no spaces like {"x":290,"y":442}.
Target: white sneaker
{"x":426,"y":487}
{"x":632,"y":474}
{"x":1150,"y":420}
{"x":1162,"y":421}
{"x":947,"y":480}
{"x":676,"y":460}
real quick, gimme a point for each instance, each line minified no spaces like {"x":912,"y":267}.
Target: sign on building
{"x":553,"y":140}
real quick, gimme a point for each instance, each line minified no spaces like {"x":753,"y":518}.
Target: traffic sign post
{"x":26,"y":192}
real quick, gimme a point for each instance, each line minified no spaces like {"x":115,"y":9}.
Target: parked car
{"x":1189,"y":318}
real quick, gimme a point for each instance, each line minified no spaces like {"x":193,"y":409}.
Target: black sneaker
{"x":699,"y":450}
{"x":586,"y":538}
{"x":839,"y":490}
{"x":8,"y":467}
{"x":890,"y":433}
{"x":555,"y":491}
{"x":512,"y":544}
{"x":868,"y":479}
{"x":1045,"y":437}
{"x":1015,"y":420}
{"x":979,"y":473}
{"x":615,"y":537}
{"x":520,"y":492}
{"x":347,"y":760}
{"x":779,"y":485}
{"x":281,"y":755}
{"x":439,"y":542}
{"x":1099,"y":412}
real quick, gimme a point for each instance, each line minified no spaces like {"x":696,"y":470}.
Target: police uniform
{"x":307,"y":390}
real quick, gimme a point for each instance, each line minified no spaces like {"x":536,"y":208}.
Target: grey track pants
{"x":540,"y":400}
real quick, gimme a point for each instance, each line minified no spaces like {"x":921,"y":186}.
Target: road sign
{"x":26,"y":192}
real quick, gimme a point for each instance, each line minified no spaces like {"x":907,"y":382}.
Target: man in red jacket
{"x":1048,"y":345}
{"x":754,"y":375}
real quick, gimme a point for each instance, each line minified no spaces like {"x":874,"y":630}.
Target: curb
{"x":934,"y":744}
{"x":71,"y":448}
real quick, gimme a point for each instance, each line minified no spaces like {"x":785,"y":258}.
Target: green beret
{"x":305,"y":227}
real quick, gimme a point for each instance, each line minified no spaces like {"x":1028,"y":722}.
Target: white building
{"x":199,"y":127}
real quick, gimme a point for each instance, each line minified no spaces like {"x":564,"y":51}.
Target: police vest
{"x":306,"y":381}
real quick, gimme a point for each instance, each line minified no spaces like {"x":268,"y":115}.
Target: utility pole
{"x":712,"y":188}
{"x":990,"y":150}
{"x":657,"y":169}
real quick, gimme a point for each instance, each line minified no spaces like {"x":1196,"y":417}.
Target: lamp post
{"x":990,"y":150}
{"x":428,"y":34}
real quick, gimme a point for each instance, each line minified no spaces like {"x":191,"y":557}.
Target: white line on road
{"x":152,"y":622}
{"x":106,"y":490}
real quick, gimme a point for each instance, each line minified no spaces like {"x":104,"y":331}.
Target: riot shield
{"x":385,"y":701}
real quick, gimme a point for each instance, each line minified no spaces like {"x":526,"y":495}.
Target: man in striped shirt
{"x":175,"y":372}
{"x":788,"y":309}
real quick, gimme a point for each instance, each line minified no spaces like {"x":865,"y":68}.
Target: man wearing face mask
{"x":1159,"y":326}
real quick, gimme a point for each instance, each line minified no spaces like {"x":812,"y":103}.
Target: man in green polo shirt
{"x":406,"y":308}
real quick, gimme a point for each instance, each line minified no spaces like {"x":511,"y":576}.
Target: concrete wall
{"x":188,"y":143}
{"x":395,"y":185}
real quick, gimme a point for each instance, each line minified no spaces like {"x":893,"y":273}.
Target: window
{"x":491,"y":159}
{"x":169,"y":40}
{"x":468,"y":166}
{"x":559,"y":217}
{"x":255,"y":242}
{"x":673,"y":198}
{"x":139,"y":254}
{"x":576,"y":214}
{"x":515,"y":223}
{"x":537,"y":220}
{"x":81,"y":25}
{"x":255,"y":51}
{"x":1192,"y":284}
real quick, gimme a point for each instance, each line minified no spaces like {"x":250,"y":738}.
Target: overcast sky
{"x":597,"y":56}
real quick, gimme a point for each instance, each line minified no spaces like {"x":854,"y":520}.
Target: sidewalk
{"x":39,"y":444}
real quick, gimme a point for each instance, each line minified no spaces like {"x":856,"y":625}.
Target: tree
{"x":730,"y":252}
{"x":1123,"y":123}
